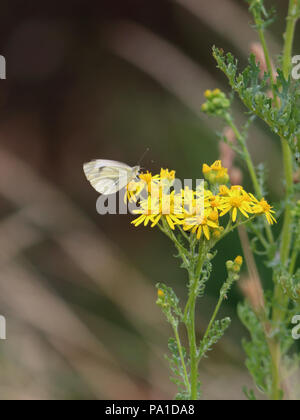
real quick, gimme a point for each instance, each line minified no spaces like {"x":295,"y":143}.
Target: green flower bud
{"x":229,"y":265}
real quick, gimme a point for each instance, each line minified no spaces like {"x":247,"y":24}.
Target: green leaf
{"x":258,"y":355}
{"x":249,"y":394}
{"x":216,"y":333}
{"x":283,"y":121}
{"x":178,"y":377}
{"x":169,"y":304}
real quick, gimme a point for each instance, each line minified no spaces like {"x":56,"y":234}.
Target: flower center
{"x":236,"y":201}
{"x":266,"y":207}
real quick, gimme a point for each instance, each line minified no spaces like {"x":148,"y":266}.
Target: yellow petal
{"x":199,"y":233}
{"x":206,"y":232}
{"x":139,"y":220}
{"x":155,"y":221}
{"x":234,"y":214}
{"x":170,"y":222}
{"x":244,"y":213}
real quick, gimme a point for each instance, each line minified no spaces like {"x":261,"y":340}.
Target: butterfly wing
{"x":108,"y":177}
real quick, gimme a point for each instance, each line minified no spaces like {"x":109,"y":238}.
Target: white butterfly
{"x":109,"y":176}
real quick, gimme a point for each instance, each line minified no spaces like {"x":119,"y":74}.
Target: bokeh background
{"x":108,"y":79}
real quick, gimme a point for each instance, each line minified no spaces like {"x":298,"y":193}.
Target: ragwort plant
{"x":195,"y":231}
{"x":272,"y":97}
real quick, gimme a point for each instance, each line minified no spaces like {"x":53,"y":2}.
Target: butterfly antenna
{"x":143,"y":156}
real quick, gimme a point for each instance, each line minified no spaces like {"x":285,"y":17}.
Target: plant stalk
{"x":280,"y":298}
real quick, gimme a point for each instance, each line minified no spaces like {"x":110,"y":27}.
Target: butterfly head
{"x":136,"y":170}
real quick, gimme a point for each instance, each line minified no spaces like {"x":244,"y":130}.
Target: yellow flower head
{"x":239,"y":260}
{"x":133,"y":191}
{"x":222,"y":176}
{"x":263,"y":207}
{"x":208,"y":93}
{"x":166,"y":174}
{"x":236,"y":200}
{"x":206,"y":169}
{"x":214,"y":202}
{"x":214,"y":215}
{"x":215,"y":173}
{"x":216,"y":102}
{"x":188,"y":194}
{"x":217,"y":166}
{"x":148,"y":180}
{"x":201,"y":224}
{"x":147,"y":211}
{"x":185,"y":208}
{"x":160,"y":293}
{"x":170,"y":208}
{"x":217,"y":232}
{"x":188,"y":200}
{"x":224,"y":191}
{"x":146,"y":177}
{"x":134,"y":188}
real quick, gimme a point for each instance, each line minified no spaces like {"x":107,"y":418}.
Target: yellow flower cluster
{"x":181,"y":208}
{"x":215,"y":174}
{"x":216,"y":102}
{"x":235,"y":266}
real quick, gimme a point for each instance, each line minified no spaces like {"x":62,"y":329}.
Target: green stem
{"x":193,"y":348}
{"x":231,"y":227}
{"x":183,"y":233}
{"x":189,"y":312}
{"x":286,"y":241}
{"x":276,"y":379}
{"x":260,"y":237}
{"x":215,"y":314}
{"x":189,"y":317}
{"x":288,"y":217}
{"x":280,"y":298}
{"x":194,"y":279}
{"x":164,"y":227}
{"x":250,"y":165}
{"x":179,"y":346}
{"x":293,"y":261}
{"x":292,"y":18}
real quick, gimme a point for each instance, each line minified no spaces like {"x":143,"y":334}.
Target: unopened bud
{"x":229,"y":265}
{"x":239,"y":260}
{"x":160,"y":293}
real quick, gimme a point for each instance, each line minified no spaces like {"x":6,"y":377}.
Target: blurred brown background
{"x":107,"y":79}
